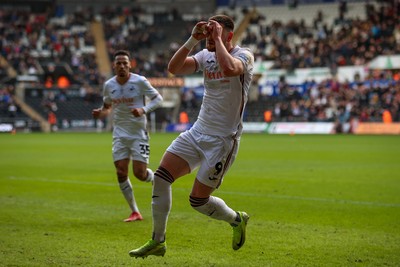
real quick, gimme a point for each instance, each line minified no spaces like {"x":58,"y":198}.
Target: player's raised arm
{"x":180,"y":63}
{"x":222,"y":37}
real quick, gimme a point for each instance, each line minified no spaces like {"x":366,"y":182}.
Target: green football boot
{"x":150,"y":248}
{"x":239,"y":231}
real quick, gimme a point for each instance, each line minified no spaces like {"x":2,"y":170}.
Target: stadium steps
{"x":244,"y":24}
{"x":102,"y":58}
{"x":11,"y":73}
{"x":32,"y":113}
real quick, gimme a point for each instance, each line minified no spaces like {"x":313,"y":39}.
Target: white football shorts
{"x":130,"y":148}
{"x":212,"y":154}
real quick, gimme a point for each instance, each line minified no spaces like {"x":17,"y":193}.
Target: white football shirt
{"x":225,"y":98}
{"x":126,"y":97}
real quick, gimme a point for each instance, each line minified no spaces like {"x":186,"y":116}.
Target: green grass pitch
{"x":313,"y":200}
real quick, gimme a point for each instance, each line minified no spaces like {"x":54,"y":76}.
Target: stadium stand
{"x":75,"y":43}
{"x":331,"y":36}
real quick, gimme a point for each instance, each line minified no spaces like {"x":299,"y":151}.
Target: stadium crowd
{"x":348,"y":41}
{"x":368,"y":100}
{"x":33,"y":44}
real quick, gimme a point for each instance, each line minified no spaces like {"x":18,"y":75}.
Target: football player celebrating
{"x":211,"y":145}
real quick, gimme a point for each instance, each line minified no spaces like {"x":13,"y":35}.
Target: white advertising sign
{"x":302,"y":128}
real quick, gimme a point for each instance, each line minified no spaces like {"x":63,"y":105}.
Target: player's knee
{"x":122,"y":174}
{"x":141,"y":174}
{"x":164,"y":174}
{"x":199,"y":204}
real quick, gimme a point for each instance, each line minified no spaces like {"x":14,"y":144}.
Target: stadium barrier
{"x":377,"y":128}
{"x":302,"y":128}
{"x":273,"y":128}
{"x":6,"y":127}
{"x":319,"y":128}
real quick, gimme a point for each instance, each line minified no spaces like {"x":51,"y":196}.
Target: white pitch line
{"x":317,"y":199}
{"x":331,"y":200}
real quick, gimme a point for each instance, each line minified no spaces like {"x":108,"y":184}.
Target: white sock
{"x":217,"y":209}
{"x":150,"y":176}
{"x":127,"y":191}
{"x":161,"y":206}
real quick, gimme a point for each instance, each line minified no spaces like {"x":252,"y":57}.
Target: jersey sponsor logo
{"x":123,"y":100}
{"x":213,"y":75}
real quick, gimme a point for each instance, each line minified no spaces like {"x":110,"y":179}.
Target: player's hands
{"x":214,"y":29}
{"x":96,"y":113}
{"x":137,"y":112}
{"x":200,"y":30}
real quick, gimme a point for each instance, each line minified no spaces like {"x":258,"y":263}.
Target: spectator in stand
{"x":386,"y":116}
{"x":12,"y":109}
{"x":268,"y":116}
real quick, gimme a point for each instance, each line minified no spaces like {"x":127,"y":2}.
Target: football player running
{"x":125,"y":93}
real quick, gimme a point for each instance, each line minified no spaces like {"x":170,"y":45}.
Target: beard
{"x":122,"y":73}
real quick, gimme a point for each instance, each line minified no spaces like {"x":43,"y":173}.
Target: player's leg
{"x":220,"y":154}
{"x":121,"y":155}
{"x":216,"y":208}
{"x":140,"y":154}
{"x":180,"y":158}
{"x":139,"y":151}
{"x":171,"y":168}
{"x":125,"y":185}
{"x":142,"y":172}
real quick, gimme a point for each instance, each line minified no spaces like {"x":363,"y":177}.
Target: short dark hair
{"x":122,"y":53}
{"x":225,"y":21}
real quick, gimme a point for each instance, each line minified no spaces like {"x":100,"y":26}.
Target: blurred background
{"x":321,"y":66}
